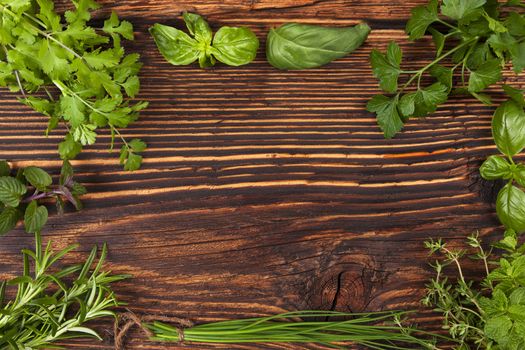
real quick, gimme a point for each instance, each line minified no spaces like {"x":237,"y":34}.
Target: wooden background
{"x":264,"y":191}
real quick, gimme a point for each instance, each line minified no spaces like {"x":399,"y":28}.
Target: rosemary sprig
{"x":50,"y":306}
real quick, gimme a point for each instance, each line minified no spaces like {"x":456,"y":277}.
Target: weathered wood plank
{"x":262,"y":190}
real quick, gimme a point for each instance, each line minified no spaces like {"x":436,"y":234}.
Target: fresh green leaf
{"x":177,"y":47}
{"x":235,"y":46}
{"x":510,"y":207}
{"x":508,"y":128}
{"x":11,"y":191}
{"x":496,"y":167}
{"x":35,"y":217}
{"x":485,"y":75}
{"x":69,"y":148}
{"x":303,"y":46}
{"x":5,"y":169}
{"x":497,"y":328}
{"x":137,"y":145}
{"x":386,"y":67}
{"x":461,"y":9}
{"x":9,"y":217}
{"x":422,"y":17}
{"x":515,"y":94}
{"x":387,"y":113}
{"x":198,"y":28}
{"x":38,"y":178}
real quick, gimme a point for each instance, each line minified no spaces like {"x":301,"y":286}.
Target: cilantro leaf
{"x":485,"y":75}
{"x":422,"y":17}
{"x":461,"y":9}
{"x":387,"y":113}
{"x":386,"y":67}
{"x":102,"y":59}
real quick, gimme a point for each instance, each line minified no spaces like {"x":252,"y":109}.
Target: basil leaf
{"x":495,"y":167}
{"x":508,"y":128}
{"x":198,"y":27}
{"x":235,"y":46}
{"x":519,"y":174}
{"x":302,"y":46}
{"x":510,"y":207}
{"x":177,"y":47}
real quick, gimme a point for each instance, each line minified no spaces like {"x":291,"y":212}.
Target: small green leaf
{"x":137,"y":145}
{"x":235,"y":46}
{"x":198,"y":27}
{"x":386,"y":67}
{"x":35,"y":217}
{"x":515,"y":94}
{"x":508,"y":128}
{"x":439,"y":40}
{"x":69,"y":148}
{"x":177,"y":47}
{"x":387,"y":113}
{"x":422,"y":17}
{"x":133,"y":162}
{"x":495,"y":167}
{"x":102,"y":59}
{"x":517,"y":297}
{"x":72,"y":110}
{"x":443,"y":75}
{"x":85,"y":134}
{"x":497,"y":328}
{"x":510,"y":207}
{"x":485,"y":75}
{"x":132,"y":86}
{"x":38,"y":178}
{"x":461,"y":9}
{"x":5,"y":169}
{"x":9,"y":217}
{"x":11,"y":191}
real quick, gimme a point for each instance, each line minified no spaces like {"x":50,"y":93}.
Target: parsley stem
{"x":448,"y":24}
{"x":420,"y":72}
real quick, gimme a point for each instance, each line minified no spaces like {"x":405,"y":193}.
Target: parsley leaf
{"x":461,"y":9}
{"x":388,"y":116}
{"x":422,"y":17}
{"x":386,"y":67}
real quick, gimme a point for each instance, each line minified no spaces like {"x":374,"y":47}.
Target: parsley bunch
{"x":479,"y":39}
{"x":72,"y":72}
{"x":486,"y":314}
{"x":20,"y":195}
{"x":50,"y":306}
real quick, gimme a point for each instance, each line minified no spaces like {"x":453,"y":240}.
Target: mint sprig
{"x":478,"y":40}
{"x":21,"y":195}
{"x":71,"y":72}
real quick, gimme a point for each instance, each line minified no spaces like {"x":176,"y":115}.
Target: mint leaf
{"x":11,"y":191}
{"x":510,"y":206}
{"x":461,"y":9}
{"x":387,"y":67}
{"x":496,"y":167}
{"x":5,"y":169}
{"x":422,"y":17}
{"x":497,"y":328}
{"x":387,"y":113}
{"x":38,"y":178}
{"x":35,"y":217}
{"x":508,"y":128}
{"x":9,"y":217}
{"x":485,"y":75}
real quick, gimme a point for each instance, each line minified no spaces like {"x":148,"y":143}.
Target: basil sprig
{"x":508,"y":130}
{"x":302,"y":46}
{"x":234,"y":46}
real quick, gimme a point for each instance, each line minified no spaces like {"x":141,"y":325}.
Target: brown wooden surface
{"x":264,"y":191}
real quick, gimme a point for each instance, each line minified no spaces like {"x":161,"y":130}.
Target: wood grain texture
{"x":264,"y":191}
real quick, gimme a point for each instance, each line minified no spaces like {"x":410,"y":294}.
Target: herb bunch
{"x":21,"y":193}
{"x":479,"y":40}
{"x":234,"y":46}
{"x":486,"y":314}
{"x":50,"y":306}
{"x":378,"y":330}
{"x":508,"y":130}
{"x":72,"y":72}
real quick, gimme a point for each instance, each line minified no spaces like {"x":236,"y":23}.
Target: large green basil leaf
{"x":508,"y":128}
{"x":235,"y":46}
{"x":177,"y":47}
{"x":301,"y":46}
{"x":510,"y":207}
